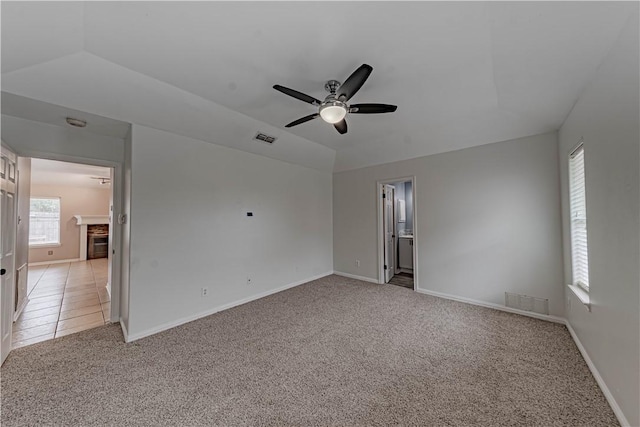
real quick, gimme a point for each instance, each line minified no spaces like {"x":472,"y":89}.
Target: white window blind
{"x":578,"y":206}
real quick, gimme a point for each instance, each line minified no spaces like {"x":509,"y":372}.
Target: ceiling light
{"x":76,"y":122}
{"x":333,"y":111}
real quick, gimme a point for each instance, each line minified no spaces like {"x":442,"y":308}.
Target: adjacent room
{"x":320,"y":213}
{"x":66,"y":217}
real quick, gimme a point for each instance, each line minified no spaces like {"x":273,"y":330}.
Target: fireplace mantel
{"x":83,"y":221}
{"x":91,"y":219}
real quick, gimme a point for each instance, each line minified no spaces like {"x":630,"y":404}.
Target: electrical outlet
{"x":50,"y":253}
{"x":248,"y":280}
{"x":357,"y":263}
{"x":204,"y":291}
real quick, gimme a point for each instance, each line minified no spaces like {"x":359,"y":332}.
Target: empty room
{"x":320,"y":213}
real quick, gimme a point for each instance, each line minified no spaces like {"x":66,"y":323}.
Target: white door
{"x":389,"y":232}
{"x":7,"y":247}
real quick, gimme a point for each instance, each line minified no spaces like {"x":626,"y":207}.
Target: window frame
{"x":47,"y":244}
{"x":584,"y":287}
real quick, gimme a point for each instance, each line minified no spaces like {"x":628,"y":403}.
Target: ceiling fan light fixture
{"x":333,"y":111}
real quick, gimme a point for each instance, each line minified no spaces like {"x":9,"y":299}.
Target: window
{"x":578,"y":210}
{"x":44,"y":221}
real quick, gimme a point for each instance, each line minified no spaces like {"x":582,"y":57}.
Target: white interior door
{"x":8,"y":175}
{"x":389,"y":232}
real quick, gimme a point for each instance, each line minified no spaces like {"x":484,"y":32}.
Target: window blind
{"x":578,"y":209}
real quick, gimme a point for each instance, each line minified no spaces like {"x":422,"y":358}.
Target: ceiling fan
{"x":103,"y":180}
{"x":334,"y":108}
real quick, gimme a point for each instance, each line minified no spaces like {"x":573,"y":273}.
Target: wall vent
{"x":265,"y":138}
{"x":526,"y":303}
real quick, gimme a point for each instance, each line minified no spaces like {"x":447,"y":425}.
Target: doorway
{"x":397,"y":232}
{"x":65,"y":231}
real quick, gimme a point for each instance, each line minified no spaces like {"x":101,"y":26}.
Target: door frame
{"x":117,"y":188}
{"x":380,"y":207}
{"x":392,"y":265}
{"x":12,"y":288}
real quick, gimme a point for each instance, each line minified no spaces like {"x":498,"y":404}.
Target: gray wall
{"x":606,"y":116}
{"x":487,"y":220}
{"x":189,"y":228}
{"x":408,"y":197}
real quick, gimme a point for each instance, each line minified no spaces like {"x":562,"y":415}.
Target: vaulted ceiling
{"x":461,"y":73}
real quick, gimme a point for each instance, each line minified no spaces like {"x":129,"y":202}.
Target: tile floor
{"x":67,"y":298}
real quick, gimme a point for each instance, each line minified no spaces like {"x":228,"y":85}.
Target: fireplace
{"x":87,"y":222}
{"x":97,"y":241}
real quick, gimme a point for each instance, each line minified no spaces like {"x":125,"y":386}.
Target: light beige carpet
{"x":333,"y":352}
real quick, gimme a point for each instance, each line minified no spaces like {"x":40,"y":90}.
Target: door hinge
{"x":385,"y":267}
{"x":384,"y":196}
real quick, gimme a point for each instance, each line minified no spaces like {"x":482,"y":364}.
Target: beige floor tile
{"x":26,"y":342}
{"x":84,"y":291}
{"x":38,"y":296}
{"x":52,"y":281}
{"x":40,"y":288}
{"x":78,"y":329}
{"x":79,"y":321}
{"x":31,"y":306}
{"x":80,"y":281}
{"x":35,"y":298}
{"x":22,"y":324}
{"x":106,"y":311}
{"x":69,"y":314}
{"x":79,"y":304}
{"x":36,"y":331}
{"x":104,"y":295}
{"x":76,"y":298}
{"x":39,"y":313}
{"x":77,"y":287}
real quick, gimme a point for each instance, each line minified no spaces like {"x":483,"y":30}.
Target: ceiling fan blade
{"x":298,"y":95}
{"x":354,"y":82}
{"x":302,"y":120}
{"x":372,"y":108}
{"x":341,"y":126}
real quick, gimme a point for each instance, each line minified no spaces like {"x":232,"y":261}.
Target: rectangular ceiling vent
{"x":265,"y":138}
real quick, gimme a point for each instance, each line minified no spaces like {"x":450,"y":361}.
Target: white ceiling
{"x":461,"y":73}
{"x":53,"y":172}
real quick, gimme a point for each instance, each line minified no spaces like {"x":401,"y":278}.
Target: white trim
{"x":353,"y":276}
{"x":187,"y":319}
{"x":60,"y":261}
{"x":500,"y":307}
{"x":91,"y":219}
{"x":582,"y":295}
{"x":379,"y":186}
{"x":125,"y":333}
{"x":594,"y":371}
{"x":44,"y":245}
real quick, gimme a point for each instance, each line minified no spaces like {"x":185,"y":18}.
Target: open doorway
{"x":396,"y":232}
{"x":63,"y":249}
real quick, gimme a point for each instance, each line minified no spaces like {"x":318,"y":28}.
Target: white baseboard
{"x":60,"y":261}
{"x":187,"y":319}
{"x":353,"y":276}
{"x":125,"y":333}
{"x":603,"y":386}
{"x":546,"y":317}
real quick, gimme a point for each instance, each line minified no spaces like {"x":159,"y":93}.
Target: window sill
{"x":582,"y":295}
{"x":45,"y":245}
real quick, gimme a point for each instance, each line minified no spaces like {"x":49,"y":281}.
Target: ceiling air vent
{"x":265,"y":138}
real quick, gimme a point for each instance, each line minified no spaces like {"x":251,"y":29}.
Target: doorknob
{"x":2,"y":272}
